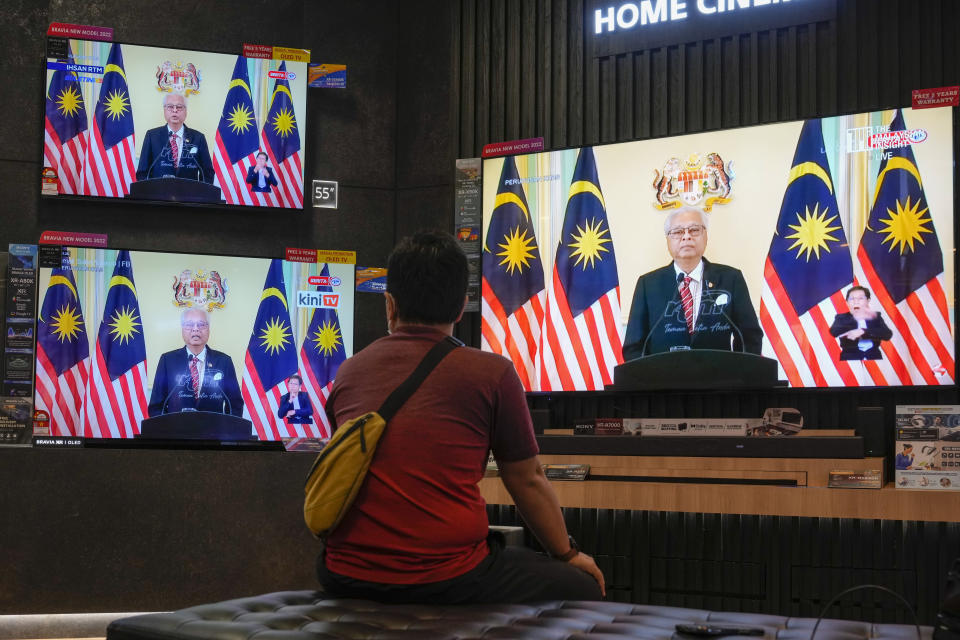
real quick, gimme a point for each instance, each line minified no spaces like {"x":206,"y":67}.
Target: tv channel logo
{"x":318,"y":300}
{"x":324,"y":281}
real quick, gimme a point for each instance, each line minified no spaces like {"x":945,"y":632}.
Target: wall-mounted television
{"x":157,"y":124}
{"x":117,"y":329}
{"x":826,"y":244}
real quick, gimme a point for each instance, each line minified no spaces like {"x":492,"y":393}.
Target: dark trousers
{"x":507,"y":575}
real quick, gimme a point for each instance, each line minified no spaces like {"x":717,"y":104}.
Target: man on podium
{"x":195,"y":378}
{"x":691,"y":303}
{"x":175,"y":149}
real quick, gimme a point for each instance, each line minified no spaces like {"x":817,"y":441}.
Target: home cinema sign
{"x":620,"y":27}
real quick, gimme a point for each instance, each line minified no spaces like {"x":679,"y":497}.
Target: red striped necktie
{"x":686,"y":298}
{"x":195,"y":376}
{"x":174,"y":149}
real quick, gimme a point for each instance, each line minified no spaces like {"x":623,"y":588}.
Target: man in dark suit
{"x":295,"y":405}
{"x":195,"y":377}
{"x":260,"y":177}
{"x":691,"y":303}
{"x":862,"y":330}
{"x":175,"y":149}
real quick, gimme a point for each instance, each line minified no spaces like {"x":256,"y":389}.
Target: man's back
{"x":419,"y":516}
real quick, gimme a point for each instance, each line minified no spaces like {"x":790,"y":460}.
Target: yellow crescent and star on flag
{"x":124,"y":322}
{"x":518,"y":247}
{"x":906,"y":225}
{"x":116,"y":103}
{"x":275,"y":334}
{"x":587,"y":242}
{"x":66,"y":321}
{"x":241,"y":118}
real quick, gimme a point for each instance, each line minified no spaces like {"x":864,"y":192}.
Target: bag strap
{"x":407,"y":388}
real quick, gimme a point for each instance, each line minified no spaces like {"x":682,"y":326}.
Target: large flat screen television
{"x":829,"y":247}
{"x":116,"y":328}
{"x":156,"y":124}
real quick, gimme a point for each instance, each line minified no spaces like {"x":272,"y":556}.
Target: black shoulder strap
{"x":407,"y":388}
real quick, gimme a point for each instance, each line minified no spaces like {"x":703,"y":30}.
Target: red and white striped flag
{"x":236,"y":141}
{"x":512,"y":286}
{"x":116,"y":396}
{"x":63,"y":353}
{"x":902,"y":262}
{"x":65,"y":128}
{"x":582,"y":341}
{"x":281,"y":140}
{"x":109,"y":168}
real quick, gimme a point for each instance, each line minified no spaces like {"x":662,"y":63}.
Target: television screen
{"x":116,"y":332}
{"x":128,"y":121}
{"x":824,"y":244}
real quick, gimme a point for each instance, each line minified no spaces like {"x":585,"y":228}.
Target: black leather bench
{"x":303,"y":615}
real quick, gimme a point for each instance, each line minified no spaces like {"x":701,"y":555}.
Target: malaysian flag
{"x":902,"y":263}
{"x":65,"y":128}
{"x":271,"y":358}
{"x":63,"y":353}
{"x":581,"y":341}
{"x":116,"y":397}
{"x":512,"y":284}
{"x":806,"y":272}
{"x":109,"y":168}
{"x":281,"y":138}
{"x":237,"y":141}
{"x":321,"y":355}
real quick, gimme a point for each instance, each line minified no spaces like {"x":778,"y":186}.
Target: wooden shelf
{"x":814,"y":502}
{"x":810,"y":498}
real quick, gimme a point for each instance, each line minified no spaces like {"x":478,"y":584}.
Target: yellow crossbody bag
{"x":340,"y":469}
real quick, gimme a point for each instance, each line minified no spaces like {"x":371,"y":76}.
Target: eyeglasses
{"x":175,"y":107}
{"x":195,"y":325}
{"x":694,"y":230}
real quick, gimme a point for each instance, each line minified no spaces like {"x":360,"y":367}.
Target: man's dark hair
{"x":850,"y":291}
{"x":295,"y":376}
{"x":427,"y":277}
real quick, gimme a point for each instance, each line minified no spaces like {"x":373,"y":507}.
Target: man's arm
{"x":159,"y":392}
{"x":538,"y":504}
{"x":146,"y":153}
{"x":231,"y":388}
{"x":205,"y":161}
{"x":637,"y":324}
{"x":745,"y":316}
{"x":841,"y":324}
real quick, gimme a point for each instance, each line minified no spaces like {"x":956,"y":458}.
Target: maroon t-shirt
{"x":419,"y":517}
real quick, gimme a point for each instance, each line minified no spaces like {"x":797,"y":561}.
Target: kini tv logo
{"x":318,"y":300}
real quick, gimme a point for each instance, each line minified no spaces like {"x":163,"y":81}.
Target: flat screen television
{"x":238,"y":126}
{"x":115,"y":330}
{"x":837,"y":235}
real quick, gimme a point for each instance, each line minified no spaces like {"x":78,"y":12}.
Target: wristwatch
{"x":571,"y":554}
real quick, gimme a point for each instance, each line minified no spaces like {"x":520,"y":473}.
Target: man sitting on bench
{"x":418,"y":530}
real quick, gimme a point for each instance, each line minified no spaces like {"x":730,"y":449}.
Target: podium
{"x":197,"y":425}
{"x":697,"y":369}
{"x":172,"y":189}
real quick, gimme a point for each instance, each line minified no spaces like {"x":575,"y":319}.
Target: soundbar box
{"x":705,"y":447}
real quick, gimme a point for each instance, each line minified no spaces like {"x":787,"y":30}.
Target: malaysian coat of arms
{"x":178,"y":77}
{"x":202,"y":289}
{"x":698,"y":180}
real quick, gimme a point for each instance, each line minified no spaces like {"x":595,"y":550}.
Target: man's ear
{"x":466,"y":299}
{"x":391,"y":306}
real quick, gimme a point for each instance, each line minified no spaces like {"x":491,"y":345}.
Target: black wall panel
{"x":764,"y":564}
